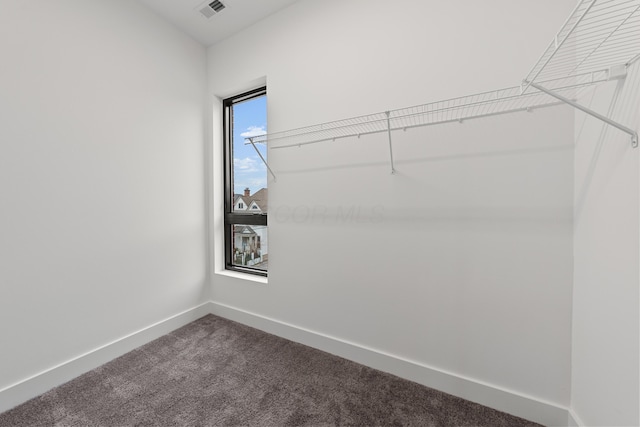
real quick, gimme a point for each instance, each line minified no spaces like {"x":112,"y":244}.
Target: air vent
{"x":216,"y":5}
{"x":209,"y":10}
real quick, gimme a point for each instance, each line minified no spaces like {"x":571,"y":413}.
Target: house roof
{"x":244,"y":229}
{"x":261,"y":198}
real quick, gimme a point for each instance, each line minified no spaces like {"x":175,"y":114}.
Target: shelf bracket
{"x":633,"y":133}
{"x":393,"y":170}
{"x":261,"y":157}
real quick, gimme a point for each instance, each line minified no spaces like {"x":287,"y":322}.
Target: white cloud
{"x":245,"y":165}
{"x":254,"y":131}
{"x":248,"y":165}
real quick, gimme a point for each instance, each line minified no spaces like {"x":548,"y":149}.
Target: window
{"x":246,"y":249}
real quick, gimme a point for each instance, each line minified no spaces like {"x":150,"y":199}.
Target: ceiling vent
{"x":211,"y":9}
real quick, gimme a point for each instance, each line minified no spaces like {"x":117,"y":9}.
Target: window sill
{"x":243,"y":276}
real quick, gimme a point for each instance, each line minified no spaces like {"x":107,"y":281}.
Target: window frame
{"x":231,"y":217}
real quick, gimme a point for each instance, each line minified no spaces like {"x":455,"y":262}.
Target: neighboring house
{"x":250,"y":242}
{"x":254,"y":204}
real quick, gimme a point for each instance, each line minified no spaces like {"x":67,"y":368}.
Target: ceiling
{"x":236,"y":16}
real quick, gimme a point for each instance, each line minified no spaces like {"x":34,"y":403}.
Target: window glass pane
{"x":246,"y":199}
{"x":250,"y":246}
{"x":249,"y":172}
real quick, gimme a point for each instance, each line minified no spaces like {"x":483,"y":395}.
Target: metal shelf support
{"x":633,"y":133}
{"x":388,"y":113}
{"x":262,"y":158}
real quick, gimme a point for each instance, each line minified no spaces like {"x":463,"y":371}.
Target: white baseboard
{"x":42,"y":382}
{"x":489,"y":395}
{"x":574,"y":420}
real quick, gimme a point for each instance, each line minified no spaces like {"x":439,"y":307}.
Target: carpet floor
{"x":215,"y":372}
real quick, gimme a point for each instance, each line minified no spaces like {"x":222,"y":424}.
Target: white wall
{"x":464,"y":258}
{"x":606,"y":322}
{"x":101,"y":178}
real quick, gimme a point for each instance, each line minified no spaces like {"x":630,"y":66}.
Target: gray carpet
{"x":215,"y":372}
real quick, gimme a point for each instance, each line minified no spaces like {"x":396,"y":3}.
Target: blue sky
{"x":249,"y":119}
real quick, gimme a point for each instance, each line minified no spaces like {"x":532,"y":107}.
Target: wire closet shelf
{"x":597,"y":42}
{"x":448,"y":111}
{"x":598,"y":34}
